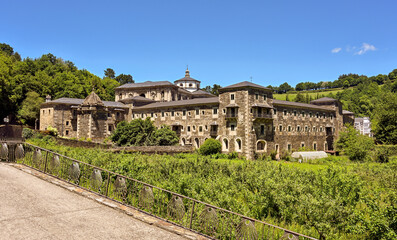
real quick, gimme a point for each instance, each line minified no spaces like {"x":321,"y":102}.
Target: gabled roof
{"x":324,"y":99}
{"x":146,"y":84}
{"x":244,"y":84}
{"x":181,"y":103}
{"x":303,"y":105}
{"x":93,"y":100}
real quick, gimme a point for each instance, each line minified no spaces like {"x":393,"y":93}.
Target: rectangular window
{"x":232,"y":127}
{"x":110,"y":128}
{"x":294,"y":113}
{"x":151,"y":114}
{"x":264,"y":97}
{"x":256,"y":96}
{"x":311,"y":114}
{"x":285,"y":112}
{"x":67,"y":123}
{"x":172,"y":113}
{"x":262,"y":129}
{"x":142,"y":115}
{"x":67,"y":132}
{"x":232,"y":96}
{"x":215,"y":111}
{"x":200,"y":128}
{"x":289,"y":128}
{"x":315,"y":146}
{"x":303,"y":114}
{"x":274,"y":111}
{"x":280,"y":128}
{"x":302,"y":144}
{"x":197,"y":111}
{"x":324,"y":115}
{"x":188,"y":128}
{"x":289,"y":148}
{"x":162,"y":114}
{"x":306,"y":129}
{"x":298,"y":129}
{"x":184,"y":112}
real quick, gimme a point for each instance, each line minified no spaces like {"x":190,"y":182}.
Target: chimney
{"x":48,"y":98}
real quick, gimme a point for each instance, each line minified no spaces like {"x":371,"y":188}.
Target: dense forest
{"x":24,"y":83}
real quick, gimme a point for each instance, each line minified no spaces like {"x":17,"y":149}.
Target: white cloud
{"x":336,"y":50}
{"x":365,"y":48}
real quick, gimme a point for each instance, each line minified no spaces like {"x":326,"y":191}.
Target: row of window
{"x":303,"y":114}
{"x":261,"y":146}
{"x":264,"y":96}
{"x":298,"y":128}
{"x":174,"y":113}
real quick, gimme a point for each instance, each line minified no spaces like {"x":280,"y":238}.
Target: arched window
{"x":142,"y":95}
{"x":238,"y":144}
{"x":183,"y":142}
{"x":225,"y":145}
{"x":196,"y":141}
{"x":261,"y":146}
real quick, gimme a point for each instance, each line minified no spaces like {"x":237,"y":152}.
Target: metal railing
{"x":200,"y":217}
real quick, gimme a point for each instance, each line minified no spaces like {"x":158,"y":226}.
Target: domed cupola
{"x":188,"y":83}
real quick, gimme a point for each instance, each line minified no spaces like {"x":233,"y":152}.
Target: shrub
{"x":232,"y":155}
{"x":382,"y":155}
{"x":164,"y":136}
{"x":273,"y":155}
{"x":27,"y":133}
{"x":285,"y":155}
{"x":89,"y":140}
{"x":355,"y":145}
{"x":210,"y":146}
{"x":53,"y":131}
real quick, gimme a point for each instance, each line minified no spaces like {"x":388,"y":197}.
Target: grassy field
{"x":334,"y":197}
{"x":292,"y":96}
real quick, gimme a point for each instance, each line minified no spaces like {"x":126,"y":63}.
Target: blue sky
{"x":223,"y":42}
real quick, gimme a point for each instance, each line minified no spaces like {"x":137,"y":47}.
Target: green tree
{"x":213,"y":90}
{"x":110,"y":73}
{"x":124,"y":78}
{"x":385,"y":119}
{"x":30,"y":109}
{"x":210,"y":146}
{"x":355,"y":145}
{"x":285,"y":87}
{"x":164,"y":136}
{"x":300,"y":98}
{"x":6,"y":49}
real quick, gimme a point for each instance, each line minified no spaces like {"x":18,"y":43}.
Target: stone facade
{"x":244,"y":117}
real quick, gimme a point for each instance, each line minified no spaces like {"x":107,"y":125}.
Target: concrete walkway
{"x":31,"y":208}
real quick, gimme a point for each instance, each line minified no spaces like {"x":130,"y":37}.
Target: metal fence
{"x":186,"y":212}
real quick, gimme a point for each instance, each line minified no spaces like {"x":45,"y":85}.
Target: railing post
{"x":107,"y":185}
{"x":46,"y":159}
{"x":191,"y":216}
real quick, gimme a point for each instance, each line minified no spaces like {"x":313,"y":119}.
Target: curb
{"x":113,"y":204}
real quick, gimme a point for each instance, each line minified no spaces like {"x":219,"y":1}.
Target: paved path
{"x":31,"y":208}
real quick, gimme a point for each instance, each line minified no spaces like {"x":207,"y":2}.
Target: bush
{"x":27,"y":133}
{"x":210,"y":146}
{"x":285,"y":155}
{"x":273,"y":155}
{"x":382,"y":155}
{"x":232,"y":155}
{"x":355,"y":145}
{"x":53,"y":131}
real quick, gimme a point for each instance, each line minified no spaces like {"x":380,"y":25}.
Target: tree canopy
{"x":46,"y":75}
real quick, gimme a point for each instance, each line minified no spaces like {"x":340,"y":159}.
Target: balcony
{"x":263,"y":115}
{"x":231,"y":115}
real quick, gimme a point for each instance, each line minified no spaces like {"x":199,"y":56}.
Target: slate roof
{"x":298,"y":104}
{"x":201,"y":92}
{"x":264,"y":105}
{"x":347,"y":112}
{"x":324,"y":99}
{"x":244,"y":85}
{"x":146,"y":84}
{"x":181,"y":103}
{"x":186,"y":79}
{"x":77,"y":101}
